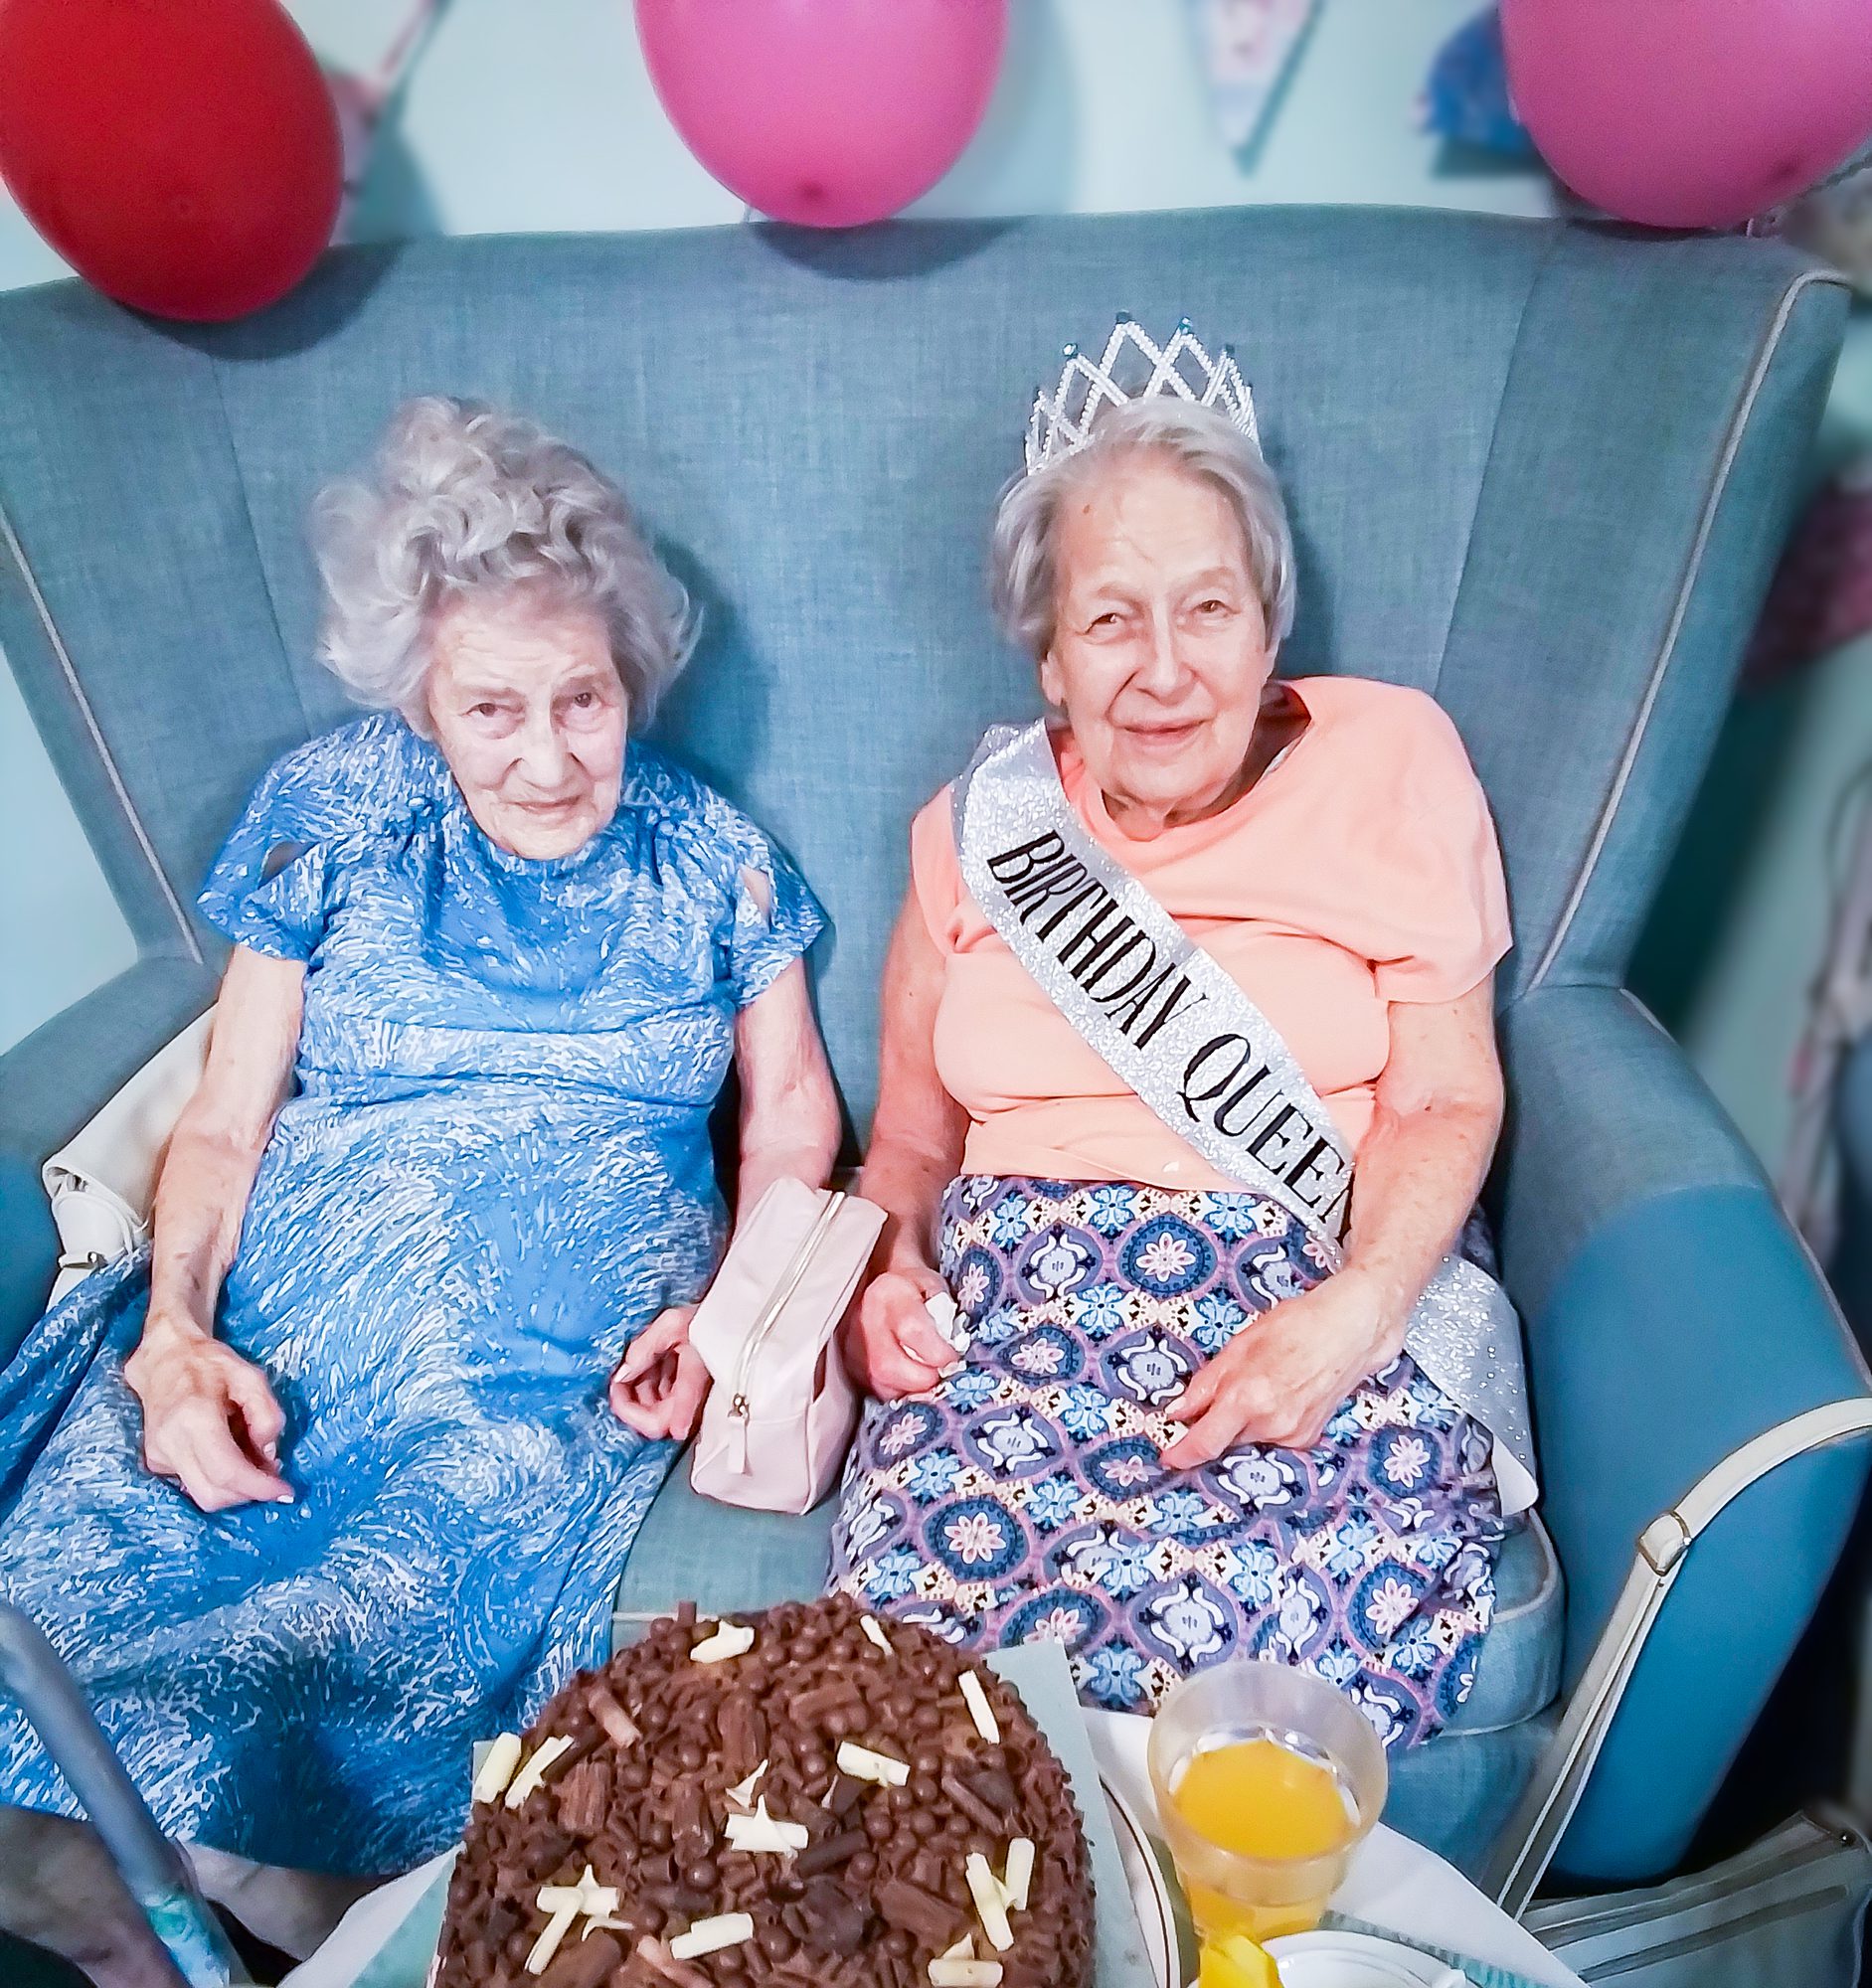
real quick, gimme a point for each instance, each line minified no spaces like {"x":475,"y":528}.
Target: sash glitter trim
{"x":1182,"y":1034}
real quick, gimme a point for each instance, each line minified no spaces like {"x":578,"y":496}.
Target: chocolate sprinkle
{"x":831,"y":1919}
{"x":844,"y":1796}
{"x":995,"y":1787}
{"x":935,"y":1921}
{"x":831,"y":1851}
{"x":971,"y":1805}
{"x":586,"y":1963}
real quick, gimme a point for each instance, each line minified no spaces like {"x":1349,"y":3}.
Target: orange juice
{"x":1260,"y":1799}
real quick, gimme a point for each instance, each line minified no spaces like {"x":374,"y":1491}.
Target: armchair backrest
{"x":1538,"y":469}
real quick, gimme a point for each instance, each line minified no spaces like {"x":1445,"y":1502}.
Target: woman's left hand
{"x":661,"y":1382}
{"x":1281,"y":1378}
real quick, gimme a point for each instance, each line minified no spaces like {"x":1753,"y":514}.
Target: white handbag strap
{"x":1548,"y":1803}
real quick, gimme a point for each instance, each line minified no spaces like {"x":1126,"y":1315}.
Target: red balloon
{"x":824,"y":112}
{"x":181,"y":155}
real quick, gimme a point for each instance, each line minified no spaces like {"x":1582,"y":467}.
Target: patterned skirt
{"x":1023,"y":1498}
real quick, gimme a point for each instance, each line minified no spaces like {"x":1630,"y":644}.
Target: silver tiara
{"x":1063,"y":421}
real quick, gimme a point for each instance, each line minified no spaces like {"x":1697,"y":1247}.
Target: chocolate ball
{"x":775,"y":1942}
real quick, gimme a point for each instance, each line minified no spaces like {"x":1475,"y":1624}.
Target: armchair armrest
{"x":1671,"y":1316}
{"x":50,"y":1085}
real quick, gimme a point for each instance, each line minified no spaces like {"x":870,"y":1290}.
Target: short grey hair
{"x":1200,"y":441}
{"x":466,"y":498}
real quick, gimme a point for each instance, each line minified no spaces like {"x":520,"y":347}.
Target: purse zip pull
{"x":740,"y":1406}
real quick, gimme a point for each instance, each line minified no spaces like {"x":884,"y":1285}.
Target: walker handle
{"x":154,"y":1872}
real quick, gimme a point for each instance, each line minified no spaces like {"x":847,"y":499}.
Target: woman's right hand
{"x":892,"y":1346}
{"x":210,"y":1421}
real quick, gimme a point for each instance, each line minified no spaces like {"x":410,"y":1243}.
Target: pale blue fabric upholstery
{"x":1539,"y":470}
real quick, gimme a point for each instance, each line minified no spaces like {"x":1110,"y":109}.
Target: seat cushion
{"x":1456,"y":1795}
{"x":690,"y":1549}
{"x":1519,"y":1672}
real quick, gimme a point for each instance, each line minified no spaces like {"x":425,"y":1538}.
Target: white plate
{"x":1156,"y":1908}
{"x":1357,"y":1960}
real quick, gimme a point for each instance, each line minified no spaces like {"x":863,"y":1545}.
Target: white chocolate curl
{"x":946,"y":1973}
{"x":990,"y":1904}
{"x":1018,"y":1878}
{"x":532,"y":1772}
{"x":731,"y":1639}
{"x":497,"y":1768}
{"x":963,"y":1949}
{"x":862,"y":1764}
{"x":869,"y":1625}
{"x":711,"y":1936}
{"x":543,"y":1949}
{"x":759,"y":1833}
{"x":587,"y":1898}
{"x":979,"y":1709}
{"x":742,"y":1793}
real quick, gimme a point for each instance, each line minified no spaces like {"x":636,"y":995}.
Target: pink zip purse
{"x":781,"y":1413}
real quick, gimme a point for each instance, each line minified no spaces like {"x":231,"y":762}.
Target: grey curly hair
{"x":465,"y":497}
{"x":1201,"y":440}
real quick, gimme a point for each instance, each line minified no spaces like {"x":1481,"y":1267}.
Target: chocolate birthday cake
{"x":806,"y":1797}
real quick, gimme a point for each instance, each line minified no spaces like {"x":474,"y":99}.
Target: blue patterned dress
{"x":1023,"y":1499}
{"x":496,"y":1169}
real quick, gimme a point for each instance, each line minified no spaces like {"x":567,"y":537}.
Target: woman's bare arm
{"x":209,"y":1420}
{"x":1420,"y":1168}
{"x":915,"y":1148}
{"x":215,"y":1151}
{"x":1422,"y":1162}
{"x":788,"y":1129}
{"x":789,"y":1123}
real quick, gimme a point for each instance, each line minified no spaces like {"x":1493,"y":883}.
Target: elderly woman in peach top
{"x":1188,"y":1202}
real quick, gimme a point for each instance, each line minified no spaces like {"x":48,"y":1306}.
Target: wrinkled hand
{"x":661,"y":1382}
{"x":210,"y":1421}
{"x":890,"y":1344}
{"x":1280,"y":1379}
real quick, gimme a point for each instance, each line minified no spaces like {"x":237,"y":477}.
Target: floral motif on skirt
{"x":1023,"y":1498}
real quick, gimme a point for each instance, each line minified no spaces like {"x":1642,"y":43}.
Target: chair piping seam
{"x":1550,"y":1577}
{"x":253,"y":540}
{"x":1640,"y":723}
{"x":1495,"y":435}
{"x":55,"y":639}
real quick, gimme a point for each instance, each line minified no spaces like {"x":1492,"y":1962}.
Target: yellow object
{"x":1256,"y":1799}
{"x":1237,"y":1962}
{"x":1261,"y":1799}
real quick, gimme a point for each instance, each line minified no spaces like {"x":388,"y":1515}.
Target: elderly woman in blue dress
{"x":340,"y":1476}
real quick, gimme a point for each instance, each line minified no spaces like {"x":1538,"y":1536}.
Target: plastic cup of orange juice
{"x":1266,"y":1780}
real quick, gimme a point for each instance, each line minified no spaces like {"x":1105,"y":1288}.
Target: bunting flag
{"x":363,"y":100}
{"x":1247,"y":48}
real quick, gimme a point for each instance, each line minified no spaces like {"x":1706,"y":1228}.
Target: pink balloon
{"x":826,"y":113}
{"x":1691,"y":113}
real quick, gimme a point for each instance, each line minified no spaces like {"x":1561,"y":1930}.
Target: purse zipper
{"x":739,"y":1408}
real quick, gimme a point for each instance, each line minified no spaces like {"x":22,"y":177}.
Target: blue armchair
{"x":1539,"y":470}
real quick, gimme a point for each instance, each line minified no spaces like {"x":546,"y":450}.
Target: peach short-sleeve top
{"x":1361,"y":868}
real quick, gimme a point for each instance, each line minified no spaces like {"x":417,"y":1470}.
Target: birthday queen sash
{"x":1189,"y":1042}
